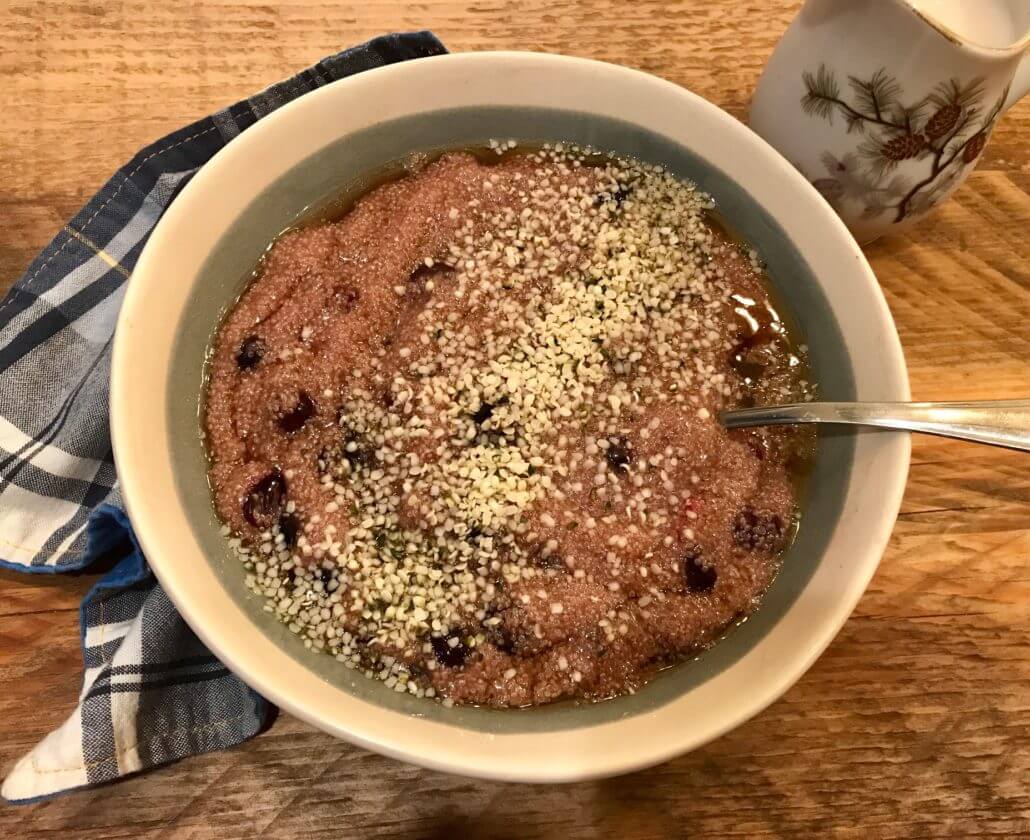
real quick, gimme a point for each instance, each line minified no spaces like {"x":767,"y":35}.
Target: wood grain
{"x":915,"y":722}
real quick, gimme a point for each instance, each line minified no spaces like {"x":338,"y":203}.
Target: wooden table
{"x":915,"y":722}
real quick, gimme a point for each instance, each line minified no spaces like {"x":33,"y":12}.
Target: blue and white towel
{"x":151,"y":692}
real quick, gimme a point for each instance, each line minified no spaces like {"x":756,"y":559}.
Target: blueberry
{"x":250,"y":353}
{"x":501,"y":438}
{"x":698,"y":578}
{"x":742,"y":360}
{"x":424,"y":272}
{"x":618,"y":454}
{"x":326,"y":576}
{"x":289,"y":527}
{"x":483,"y":413}
{"x":552,"y":561}
{"x":360,"y":455}
{"x":758,"y":531}
{"x":501,"y":638}
{"x":294,"y":419}
{"x":448,"y":653}
{"x":265,"y":500}
{"x":618,"y":196}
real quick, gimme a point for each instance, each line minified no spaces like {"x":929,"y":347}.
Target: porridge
{"x":464,"y":438}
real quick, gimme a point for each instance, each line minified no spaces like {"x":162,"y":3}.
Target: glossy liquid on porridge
{"x":462,"y":431}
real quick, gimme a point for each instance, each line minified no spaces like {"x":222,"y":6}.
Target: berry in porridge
{"x":464,"y":438}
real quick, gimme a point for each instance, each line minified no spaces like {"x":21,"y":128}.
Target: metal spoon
{"x":996,"y":422}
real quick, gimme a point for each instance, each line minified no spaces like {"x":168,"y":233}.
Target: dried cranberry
{"x":618,"y":454}
{"x":449,"y":650}
{"x":289,"y":527}
{"x":265,"y":500}
{"x":698,"y":578}
{"x":294,"y":419}
{"x":250,"y":353}
{"x":758,"y":531}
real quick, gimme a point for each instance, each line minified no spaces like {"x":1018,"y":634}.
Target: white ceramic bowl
{"x":210,"y":238}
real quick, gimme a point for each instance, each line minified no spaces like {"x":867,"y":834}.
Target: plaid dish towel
{"x":151,"y":692}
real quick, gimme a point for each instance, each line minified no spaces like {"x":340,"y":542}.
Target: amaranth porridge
{"x":464,"y":438}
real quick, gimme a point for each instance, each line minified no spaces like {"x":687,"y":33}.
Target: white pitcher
{"x":886,"y":105}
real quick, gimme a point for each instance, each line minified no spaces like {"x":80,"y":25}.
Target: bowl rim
{"x":588,"y":752}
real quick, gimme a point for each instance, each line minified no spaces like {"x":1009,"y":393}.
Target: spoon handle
{"x":996,"y":422}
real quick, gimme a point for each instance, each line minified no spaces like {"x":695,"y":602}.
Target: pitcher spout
{"x":998,"y":26}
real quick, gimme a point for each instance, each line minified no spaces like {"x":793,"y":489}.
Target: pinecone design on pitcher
{"x":973,"y":148}
{"x":944,"y":129}
{"x":942,"y":122}
{"x":903,"y":147}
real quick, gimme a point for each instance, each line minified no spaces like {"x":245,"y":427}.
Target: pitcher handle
{"x":1020,"y":85}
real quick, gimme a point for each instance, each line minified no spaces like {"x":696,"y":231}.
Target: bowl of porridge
{"x":415,"y":398}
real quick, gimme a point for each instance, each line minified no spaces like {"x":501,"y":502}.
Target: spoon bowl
{"x":994,"y":422}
